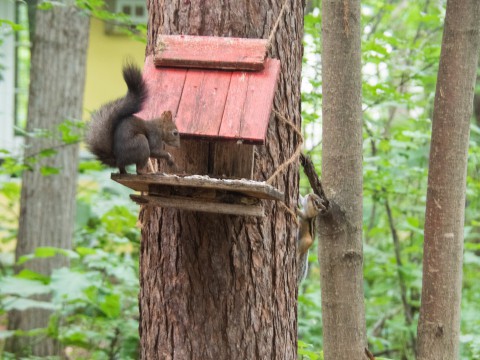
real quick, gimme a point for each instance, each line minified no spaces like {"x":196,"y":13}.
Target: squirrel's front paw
{"x":171,"y":163}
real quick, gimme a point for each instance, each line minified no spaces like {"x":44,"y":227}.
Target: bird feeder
{"x":220,"y":90}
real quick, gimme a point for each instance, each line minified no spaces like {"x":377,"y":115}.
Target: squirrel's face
{"x":314,"y":205}
{"x":170,"y":135}
{"x":173,"y":137}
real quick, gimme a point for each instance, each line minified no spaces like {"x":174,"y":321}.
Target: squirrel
{"x":311,"y":206}
{"x":119,"y":138}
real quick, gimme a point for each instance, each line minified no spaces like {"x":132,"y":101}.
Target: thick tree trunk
{"x":439,"y":323}
{"x":340,"y":230}
{"x":48,"y":202}
{"x":218,"y":286}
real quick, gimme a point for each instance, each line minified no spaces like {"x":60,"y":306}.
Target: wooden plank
{"x":190,"y":108}
{"x":259,"y":101}
{"x":201,"y":109}
{"x":211,"y":104}
{"x":233,"y":160}
{"x":251,"y":188}
{"x":235,"y":106}
{"x":165,"y":87}
{"x":209,"y":52}
{"x":200,"y":205}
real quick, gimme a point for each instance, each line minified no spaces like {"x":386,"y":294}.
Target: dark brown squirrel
{"x":118,"y":138}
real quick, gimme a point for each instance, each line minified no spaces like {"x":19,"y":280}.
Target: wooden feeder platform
{"x":201,"y":193}
{"x":219,"y":90}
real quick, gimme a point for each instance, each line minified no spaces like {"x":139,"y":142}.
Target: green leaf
{"x":71,"y":131}
{"x":12,"y":285}
{"x":45,"y":5}
{"x":70,"y":285}
{"x":12,"y":303}
{"x":46,"y":252}
{"x":13,"y":26}
{"x":83,"y":251}
{"x":47,"y":153}
{"x":111,"y":306}
{"x":49,"y":170}
{"x":32,"y":275}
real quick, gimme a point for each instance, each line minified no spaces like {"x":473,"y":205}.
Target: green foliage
{"x":95,"y":299}
{"x":68,"y":132}
{"x":400,"y":53}
{"x":305,"y":352}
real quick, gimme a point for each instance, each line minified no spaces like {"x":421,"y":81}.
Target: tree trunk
{"x":439,"y":323}
{"x":340,"y":230}
{"x":218,"y":286}
{"x":47,"y":206}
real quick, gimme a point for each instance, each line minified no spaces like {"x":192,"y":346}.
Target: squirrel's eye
{"x":175,"y":133}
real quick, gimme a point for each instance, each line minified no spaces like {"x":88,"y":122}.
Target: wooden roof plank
{"x":211,"y":98}
{"x":200,"y":205}
{"x":190,"y":106}
{"x":205,"y":107}
{"x":164,"y":90}
{"x":259,"y":101}
{"x":210,"y":52}
{"x":235,"y":106}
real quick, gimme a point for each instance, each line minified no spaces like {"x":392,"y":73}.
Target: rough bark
{"x":47,"y":205}
{"x":218,"y":286}
{"x":340,"y":230}
{"x":439,"y":323}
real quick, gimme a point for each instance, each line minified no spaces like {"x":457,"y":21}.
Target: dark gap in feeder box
{"x":211,"y":195}
{"x":211,"y":159}
{"x":193,"y":204}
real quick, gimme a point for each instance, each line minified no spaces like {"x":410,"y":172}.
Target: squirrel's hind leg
{"x":142,"y":168}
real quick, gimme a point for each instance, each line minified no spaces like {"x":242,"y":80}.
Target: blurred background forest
{"x":95,"y":299}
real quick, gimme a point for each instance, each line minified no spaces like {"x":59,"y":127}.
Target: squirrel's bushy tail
{"x":105,"y":120}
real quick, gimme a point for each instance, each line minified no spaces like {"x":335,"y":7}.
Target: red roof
{"x":213,"y":104}
{"x":210,"y":52}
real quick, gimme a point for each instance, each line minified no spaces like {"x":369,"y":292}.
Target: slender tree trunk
{"x":218,"y":286}
{"x":340,"y":230}
{"x":439,"y":323}
{"x":47,"y":205}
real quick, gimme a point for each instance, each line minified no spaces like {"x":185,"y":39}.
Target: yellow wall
{"x":106,"y":55}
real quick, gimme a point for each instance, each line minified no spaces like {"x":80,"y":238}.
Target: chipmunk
{"x":311,"y":206}
{"x":118,"y":138}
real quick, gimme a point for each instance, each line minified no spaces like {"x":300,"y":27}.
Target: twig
{"x":369,"y":354}
{"x":315,"y":183}
{"x":403,"y":287}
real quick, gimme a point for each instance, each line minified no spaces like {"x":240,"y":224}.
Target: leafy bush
{"x":95,"y":300}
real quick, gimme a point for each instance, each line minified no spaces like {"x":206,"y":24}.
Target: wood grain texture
{"x":200,"y":205}
{"x":440,"y":310}
{"x":258,"y":103}
{"x":218,"y":286}
{"x":340,"y":230}
{"x":232,"y":160}
{"x":213,"y":104}
{"x":210,"y":52}
{"x":256,"y":189}
{"x":165,"y":89}
{"x":235,"y":106}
